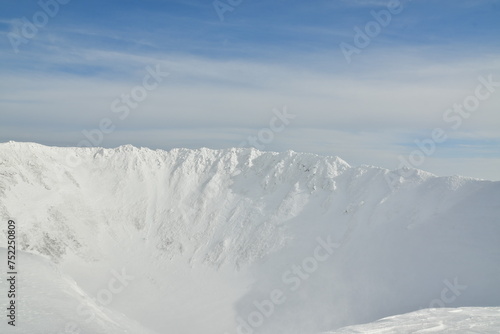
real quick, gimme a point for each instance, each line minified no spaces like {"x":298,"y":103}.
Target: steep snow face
{"x":243,"y":241}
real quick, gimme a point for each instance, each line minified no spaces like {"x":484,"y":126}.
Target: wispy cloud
{"x":225,"y":78}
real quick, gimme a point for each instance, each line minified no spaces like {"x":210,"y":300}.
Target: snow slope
{"x":480,"y":320}
{"x":51,"y":302}
{"x":243,"y":241}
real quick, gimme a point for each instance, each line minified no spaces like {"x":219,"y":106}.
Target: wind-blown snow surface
{"x":203,"y":236}
{"x":480,"y":320}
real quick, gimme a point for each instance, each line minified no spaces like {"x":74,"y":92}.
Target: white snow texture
{"x":133,"y":240}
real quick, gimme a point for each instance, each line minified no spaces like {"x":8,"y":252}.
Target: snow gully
{"x":293,"y":279}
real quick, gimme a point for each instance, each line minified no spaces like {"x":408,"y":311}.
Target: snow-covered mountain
{"x":133,"y":240}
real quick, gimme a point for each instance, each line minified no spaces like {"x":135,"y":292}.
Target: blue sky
{"x":226,"y":77}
